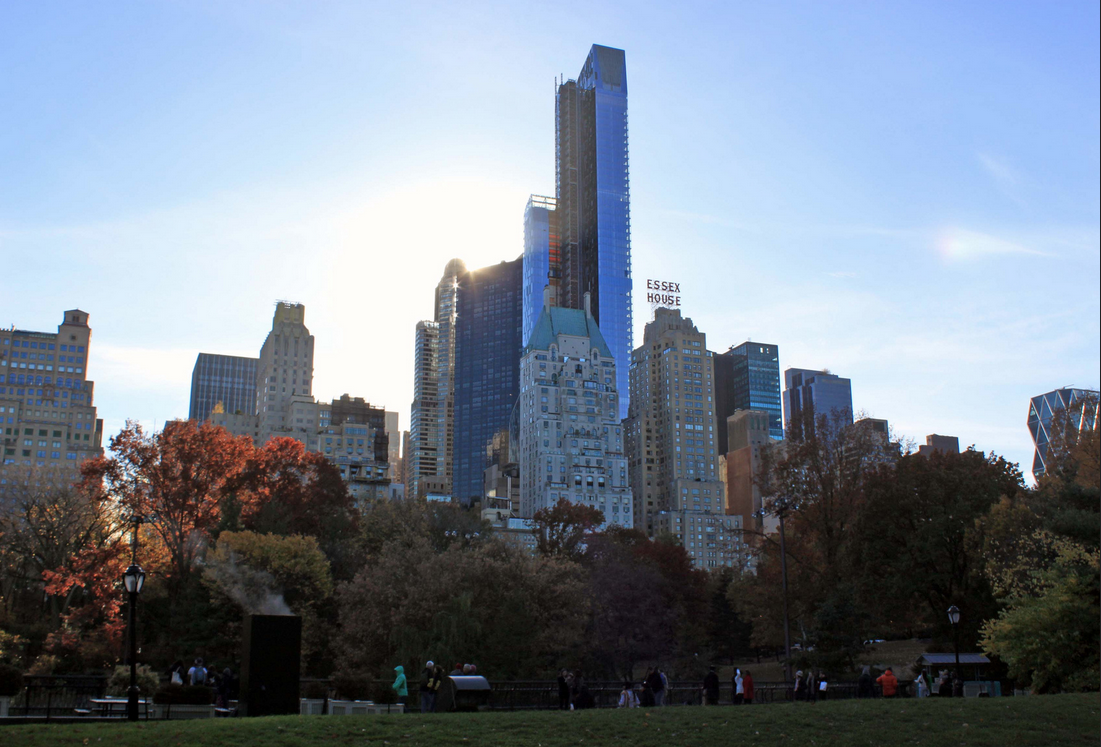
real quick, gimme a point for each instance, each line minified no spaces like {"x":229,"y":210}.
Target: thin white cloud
{"x":962,"y":244}
{"x":999,"y":169}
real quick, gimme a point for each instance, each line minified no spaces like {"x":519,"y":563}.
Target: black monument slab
{"x":270,"y":665}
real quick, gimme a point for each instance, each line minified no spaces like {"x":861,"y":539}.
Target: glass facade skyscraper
{"x":747,"y":377}
{"x":810,"y":394}
{"x":488,"y":329}
{"x":228,"y":380}
{"x":540,"y":257}
{"x":593,"y":200}
{"x":1083,"y":408}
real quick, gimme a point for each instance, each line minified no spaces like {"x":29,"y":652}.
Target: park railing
{"x":48,"y":696}
{"x":534,"y":695}
{"x":63,"y":696}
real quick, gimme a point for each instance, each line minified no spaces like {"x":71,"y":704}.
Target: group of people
{"x":573,"y":693}
{"x":224,"y":684}
{"x":431,"y":679}
{"x":741,"y":688}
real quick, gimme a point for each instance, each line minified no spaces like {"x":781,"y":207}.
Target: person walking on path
{"x":738,"y":686}
{"x":889,"y":683}
{"x":399,"y":687}
{"x":427,"y":691}
{"x":747,"y":688}
{"x":711,"y":688}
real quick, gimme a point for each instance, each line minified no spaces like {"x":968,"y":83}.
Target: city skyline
{"x":937,"y":235}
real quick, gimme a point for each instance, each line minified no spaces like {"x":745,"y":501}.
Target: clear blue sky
{"x":905,"y":193}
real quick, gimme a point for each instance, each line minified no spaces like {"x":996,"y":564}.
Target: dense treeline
{"x":879,"y":544}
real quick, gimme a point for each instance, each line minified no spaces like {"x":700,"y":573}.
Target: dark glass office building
{"x":811,"y":394}
{"x":228,"y":379}
{"x":747,"y":377}
{"x":488,"y":331}
{"x":593,"y":201}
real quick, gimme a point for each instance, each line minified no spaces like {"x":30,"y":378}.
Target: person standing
{"x":889,"y":683}
{"x":664,"y":686}
{"x":800,"y":686}
{"x":647,"y":697}
{"x":427,"y":691}
{"x":657,"y":687}
{"x":738,"y":687}
{"x":437,"y":681}
{"x":224,"y":690}
{"x":922,"y":688}
{"x":864,"y":683}
{"x":400,"y":687}
{"x":627,"y":697}
{"x":747,"y":688}
{"x":197,"y":674}
{"x":822,"y":686}
{"x":563,"y":690}
{"x":711,"y":687}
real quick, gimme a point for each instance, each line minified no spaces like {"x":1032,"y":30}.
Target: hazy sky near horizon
{"x":904,"y":193}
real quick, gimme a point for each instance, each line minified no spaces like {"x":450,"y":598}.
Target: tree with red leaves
{"x":174,"y":480}
{"x":561,"y":529}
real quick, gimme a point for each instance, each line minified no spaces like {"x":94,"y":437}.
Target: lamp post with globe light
{"x":954,"y":618}
{"x":133,"y":580}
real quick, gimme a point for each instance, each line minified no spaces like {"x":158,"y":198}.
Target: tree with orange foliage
{"x":91,"y":633}
{"x":175,"y":480}
{"x":284,"y":489}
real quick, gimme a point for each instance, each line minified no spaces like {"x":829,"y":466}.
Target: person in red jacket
{"x":889,"y":683}
{"x":747,"y":688}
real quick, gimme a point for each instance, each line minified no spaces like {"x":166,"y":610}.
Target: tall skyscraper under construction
{"x":593,"y":210}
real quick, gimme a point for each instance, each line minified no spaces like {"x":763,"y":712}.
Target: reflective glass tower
{"x":593,"y":200}
{"x":226,"y":380}
{"x":540,"y":257}
{"x":810,"y":394}
{"x":486,"y":377}
{"x":1083,"y":408}
{"x":747,"y":377}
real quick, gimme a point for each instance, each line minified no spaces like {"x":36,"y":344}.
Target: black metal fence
{"x":48,"y":696}
{"x":65,"y":696}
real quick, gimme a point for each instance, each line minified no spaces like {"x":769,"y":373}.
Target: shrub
{"x":44,"y":664}
{"x":184,"y":695}
{"x":11,"y":680}
{"x":119,"y":683}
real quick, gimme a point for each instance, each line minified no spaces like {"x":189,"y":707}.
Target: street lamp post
{"x":954,"y":618}
{"x":133,"y":579}
{"x":784,"y":575}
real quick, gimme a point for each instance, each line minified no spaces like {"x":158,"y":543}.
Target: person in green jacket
{"x":399,"y":685}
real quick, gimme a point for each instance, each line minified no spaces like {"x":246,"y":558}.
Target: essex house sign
{"x":663,"y":293}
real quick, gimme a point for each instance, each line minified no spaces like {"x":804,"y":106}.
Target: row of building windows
{"x":42,"y":345}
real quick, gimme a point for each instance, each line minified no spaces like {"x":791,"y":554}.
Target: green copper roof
{"x":555,"y":320}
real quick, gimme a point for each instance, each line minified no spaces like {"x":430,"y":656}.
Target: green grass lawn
{"x":999,"y":722}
